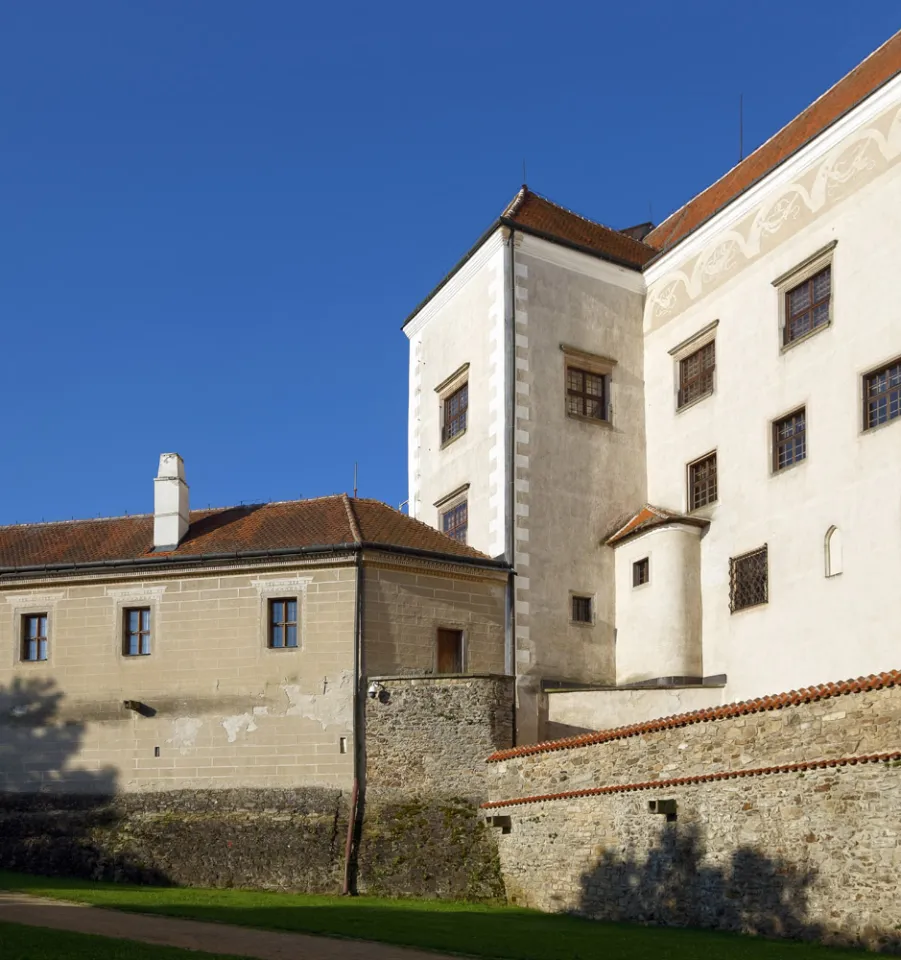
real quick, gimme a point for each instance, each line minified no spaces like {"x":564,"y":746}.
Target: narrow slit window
{"x":136,"y":642}
{"x":456,"y":409}
{"x":696,"y":374}
{"x":34,"y":637}
{"x":283,"y":623}
{"x":450,"y":651}
{"x":790,"y":440}
{"x":586,"y":394}
{"x":807,"y":306}
{"x":882,"y":395}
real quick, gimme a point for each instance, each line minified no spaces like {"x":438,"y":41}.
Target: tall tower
{"x":526,"y":428}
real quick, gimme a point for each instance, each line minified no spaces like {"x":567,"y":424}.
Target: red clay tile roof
{"x":648,"y":517}
{"x":806,"y":695}
{"x":863,"y":80}
{"x":697,"y":778}
{"x":297,"y":524}
{"x":537,"y":214}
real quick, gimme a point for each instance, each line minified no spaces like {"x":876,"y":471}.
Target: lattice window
{"x":807,"y":305}
{"x":748,"y":579}
{"x":34,"y":637}
{"x":702,"y":482}
{"x":882,"y":395}
{"x":641,"y":572}
{"x":581,"y":609}
{"x":136,"y":640}
{"x":456,"y":408}
{"x":586,"y":394}
{"x":790,"y":440}
{"x":696,"y":374}
{"x":455,"y":521}
{"x":283,"y":623}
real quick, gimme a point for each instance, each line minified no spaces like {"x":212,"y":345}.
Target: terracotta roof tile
{"x":301,"y":524}
{"x":537,"y":214}
{"x":647,"y":517}
{"x":775,"y":702}
{"x":698,"y":778}
{"x":862,"y":81}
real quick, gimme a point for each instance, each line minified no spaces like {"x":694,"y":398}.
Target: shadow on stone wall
{"x":51,"y":814}
{"x":671,"y":886}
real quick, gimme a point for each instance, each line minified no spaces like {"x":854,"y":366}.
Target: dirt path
{"x":193,"y":934}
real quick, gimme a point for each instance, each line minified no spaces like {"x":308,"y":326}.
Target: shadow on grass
{"x":442,"y":926}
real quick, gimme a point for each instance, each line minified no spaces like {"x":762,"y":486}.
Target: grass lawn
{"x":466,"y":928}
{"x":33,"y":943}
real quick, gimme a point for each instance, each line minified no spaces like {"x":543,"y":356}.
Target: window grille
{"x":582,"y":609}
{"x":136,"y":642}
{"x":455,"y":521}
{"x":456,"y":407}
{"x":748,"y":579}
{"x":586,"y":394}
{"x":882,"y":395}
{"x":34,"y":637}
{"x":283,"y":623}
{"x":702,"y":482}
{"x":696,"y":374}
{"x":807,"y":305}
{"x":790,"y":440}
{"x":641,"y":572}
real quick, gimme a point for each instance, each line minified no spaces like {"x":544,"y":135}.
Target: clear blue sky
{"x":216,"y":214}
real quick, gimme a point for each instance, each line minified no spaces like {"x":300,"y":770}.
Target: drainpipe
{"x":510,"y":499}
{"x":359,"y":733}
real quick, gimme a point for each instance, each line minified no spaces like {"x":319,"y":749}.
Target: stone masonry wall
{"x":427,"y":739}
{"x":782,"y":821}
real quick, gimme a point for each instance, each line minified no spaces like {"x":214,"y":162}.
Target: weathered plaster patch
{"x":332,"y":707}
{"x":184,"y":733}
{"x":234,"y":725}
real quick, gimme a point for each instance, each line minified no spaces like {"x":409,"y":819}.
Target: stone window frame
{"x":125,"y":598}
{"x":451,"y":501}
{"x":445,"y":390}
{"x":681,"y":352}
{"x":32,"y":605}
{"x":775,"y":423}
{"x":641,"y":566}
{"x":690,"y":483}
{"x":592,"y":600}
{"x":281,"y":588}
{"x":600,"y":366}
{"x":863,"y":381}
{"x":798,"y":274}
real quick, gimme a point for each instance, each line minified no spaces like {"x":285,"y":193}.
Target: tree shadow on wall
{"x":671,"y":886}
{"x":54,"y":816}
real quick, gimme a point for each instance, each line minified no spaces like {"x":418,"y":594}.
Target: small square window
{"x":582,"y":612}
{"x":34,"y":637}
{"x":748,"y":579}
{"x":641,"y":572}
{"x":456,"y":408}
{"x":696,"y":374}
{"x":450,"y":651}
{"x":587,"y":394}
{"x":283,"y":623}
{"x":702,"y":482}
{"x":807,"y":306}
{"x":882,"y":395}
{"x":789,"y":440}
{"x":455,"y":521}
{"x":136,"y":632}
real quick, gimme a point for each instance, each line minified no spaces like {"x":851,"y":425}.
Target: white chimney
{"x":170,"y":503}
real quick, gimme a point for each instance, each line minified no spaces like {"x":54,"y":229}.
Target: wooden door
{"x":450,"y":651}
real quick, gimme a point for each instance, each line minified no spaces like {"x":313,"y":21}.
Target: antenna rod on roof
{"x":355,"y":480}
{"x":524,"y":179}
{"x":741,"y":127}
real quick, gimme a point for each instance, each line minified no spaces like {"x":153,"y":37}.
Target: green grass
{"x":467,"y":928}
{"x":34,"y":943}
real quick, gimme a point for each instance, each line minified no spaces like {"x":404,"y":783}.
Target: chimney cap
{"x":172,"y":467}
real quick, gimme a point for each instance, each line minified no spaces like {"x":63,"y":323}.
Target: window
{"x":455,"y":521}
{"x":586,"y":394}
{"x":748,"y":579}
{"x":641,"y":572}
{"x":581,"y":610}
{"x":702,"y":482}
{"x":807,"y":306}
{"x":789,"y":440}
{"x":283,"y":624}
{"x":34,"y":637}
{"x":456,"y":406}
{"x":696,"y":374}
{"x":882,"y":395}
{"x":450,"y":651}
{"x":136,"y":639}
{"x":833,"y":552}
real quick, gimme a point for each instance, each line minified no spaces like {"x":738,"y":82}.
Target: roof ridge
{"x":352,"y":519}
{"x":822,"y":691}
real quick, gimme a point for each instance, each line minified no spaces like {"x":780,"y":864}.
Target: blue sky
{"x":216,"y":215}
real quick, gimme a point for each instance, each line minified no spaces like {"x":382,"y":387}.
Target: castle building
{"x":685,"y":439}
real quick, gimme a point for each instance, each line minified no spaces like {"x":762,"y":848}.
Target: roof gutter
{"x":278,"y":553}
{"x":552,"y":238}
